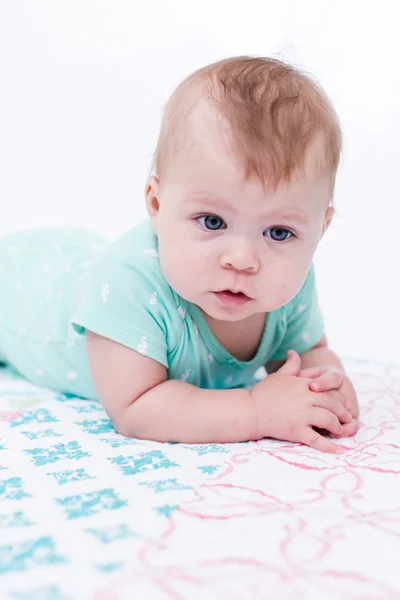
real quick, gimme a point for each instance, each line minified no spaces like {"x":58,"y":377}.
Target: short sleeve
{"x":304,"y":326}
{"x":126,"y":305}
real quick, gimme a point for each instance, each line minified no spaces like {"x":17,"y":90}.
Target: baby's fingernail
{"x":340,"y":430}
{"x":339,"y":451}
{"x":315,"y":386}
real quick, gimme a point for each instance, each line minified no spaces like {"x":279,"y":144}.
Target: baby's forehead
{"x":216,"y":184}
{"x":204,"y":127}
{"x":206,"y":147}
{"x":205,"y":135}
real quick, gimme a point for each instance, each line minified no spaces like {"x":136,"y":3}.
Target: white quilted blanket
{"x":88,"y":514}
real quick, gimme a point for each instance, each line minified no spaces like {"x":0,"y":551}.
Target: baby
{"x":174,"y":325}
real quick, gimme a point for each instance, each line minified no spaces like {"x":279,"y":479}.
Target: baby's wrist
{"x":256,"y":412}
{"x":261,"y":397}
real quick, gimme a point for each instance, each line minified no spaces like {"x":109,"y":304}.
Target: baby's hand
{"x":288,"y":410}
{"x":330,"y":379}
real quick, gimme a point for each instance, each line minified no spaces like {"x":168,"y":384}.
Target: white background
{"x":83,"y":83}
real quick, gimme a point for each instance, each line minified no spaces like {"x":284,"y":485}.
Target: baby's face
{"x":218,"y":232}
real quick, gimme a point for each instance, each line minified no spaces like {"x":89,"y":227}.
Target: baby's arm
{"x":142,"y":403}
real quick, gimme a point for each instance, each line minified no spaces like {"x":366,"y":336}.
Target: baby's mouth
{"x":233,"y":294}
{"x":229,"y":298}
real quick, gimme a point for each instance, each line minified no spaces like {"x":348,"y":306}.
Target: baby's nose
{"x":240,"y":259}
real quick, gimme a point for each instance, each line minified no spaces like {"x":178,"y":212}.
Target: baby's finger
{"x":311,"y":372}
{"x":313,"y":439}
{"x":330,"y":380}
{"x":349,"y":429}
{"x":338,"y":395}
{"x":325,"y":419}
{"x":334,"y":405}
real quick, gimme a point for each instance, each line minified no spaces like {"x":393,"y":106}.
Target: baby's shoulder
{"x":135,"y":250}
{"x":135,"y":245}
{"x":130,"y":265}
{"x":126,"y":298}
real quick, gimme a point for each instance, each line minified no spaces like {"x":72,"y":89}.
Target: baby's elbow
{"x":121,"y":428}
{"x":122,"y":423}
{"x":119,"y":425}
{"x":129,"y":423}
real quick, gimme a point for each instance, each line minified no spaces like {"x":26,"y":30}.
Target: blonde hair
{"x":275,"y":112}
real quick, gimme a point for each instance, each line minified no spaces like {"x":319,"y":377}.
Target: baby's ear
{"x":330,"y":211}
{"x":152,"y":200}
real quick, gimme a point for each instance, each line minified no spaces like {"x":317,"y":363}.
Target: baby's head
{"x":244,"y":174}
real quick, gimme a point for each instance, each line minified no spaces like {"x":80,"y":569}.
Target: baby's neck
{"x":239,"y":338}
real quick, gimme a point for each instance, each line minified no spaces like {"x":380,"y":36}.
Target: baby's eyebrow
{"x":217,"y":203}
{"x":291,"y":215}
{"x":214,"y":202}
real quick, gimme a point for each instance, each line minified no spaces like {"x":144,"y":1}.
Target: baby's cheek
{"x":284,"y":291}
{"x":179,"y":267}
{"x":285,"y":288}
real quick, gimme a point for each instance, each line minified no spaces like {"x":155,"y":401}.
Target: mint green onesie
{"x":55,"y":283}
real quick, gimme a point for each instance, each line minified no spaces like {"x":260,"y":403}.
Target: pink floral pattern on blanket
{"x":284,"y":521}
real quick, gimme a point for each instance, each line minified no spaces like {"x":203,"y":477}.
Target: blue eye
{"x":279,"y":234}
{"x":211,"y":222}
